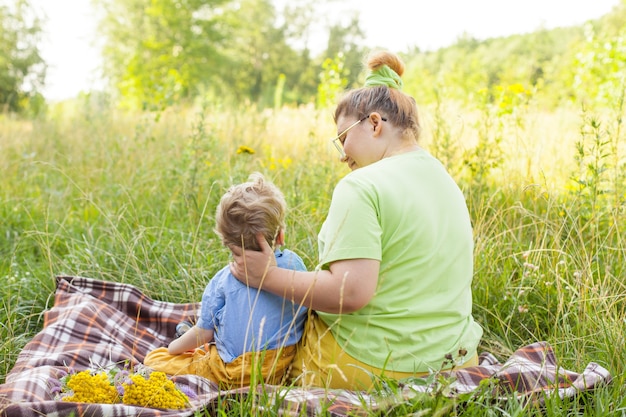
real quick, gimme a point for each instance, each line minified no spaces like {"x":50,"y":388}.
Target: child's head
{"x":249,"y":208}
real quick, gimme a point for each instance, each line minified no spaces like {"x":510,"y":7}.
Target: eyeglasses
{"x":340,"y":138}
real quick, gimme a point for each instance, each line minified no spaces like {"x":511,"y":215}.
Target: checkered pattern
{"x":100,"y":323}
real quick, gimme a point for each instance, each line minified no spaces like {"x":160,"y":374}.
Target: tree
{"x":345,"y":40}
{"x":256,"y":53}
{"x":158,"y":52}
{"x":22,"y":70}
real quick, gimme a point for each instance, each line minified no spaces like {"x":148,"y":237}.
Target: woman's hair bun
{"x":380,"y":58}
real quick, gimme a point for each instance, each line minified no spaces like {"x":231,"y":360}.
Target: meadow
{"x":127,"y":197}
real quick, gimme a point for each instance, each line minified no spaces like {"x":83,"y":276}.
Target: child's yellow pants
{"x":269,"y":366}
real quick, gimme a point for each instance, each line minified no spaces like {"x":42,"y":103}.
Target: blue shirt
{"x":246,"y":319}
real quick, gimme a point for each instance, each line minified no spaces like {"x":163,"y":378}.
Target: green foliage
{"x":332,"y":81}
{"x":344,"y":41}
{"x":22,"y":70}
{"x":444,"y":139}
{"x":600,"y":68}
{"x":257,"y":53}
{"x":164,"y":52}
{"x":613,"y":23}
{"x":161,"y":53}
{"x":158,"y":52}
{"x":559,"y":65}
{"x":501,"y":113}
{"x":279,"y":91}
{"x":592,"y":182}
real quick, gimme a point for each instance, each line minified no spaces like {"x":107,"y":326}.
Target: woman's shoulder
{"x":392,"y":173}
{"x":399,"y":165}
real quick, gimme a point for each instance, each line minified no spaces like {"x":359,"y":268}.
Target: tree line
{"x":158,"y":53}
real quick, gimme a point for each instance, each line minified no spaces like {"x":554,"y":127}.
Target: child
{"x":241,"y":331}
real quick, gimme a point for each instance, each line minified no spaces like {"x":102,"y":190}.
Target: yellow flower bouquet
{"x":141,"y":387}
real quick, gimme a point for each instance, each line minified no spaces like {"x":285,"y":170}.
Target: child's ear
{"x":280,"y":239}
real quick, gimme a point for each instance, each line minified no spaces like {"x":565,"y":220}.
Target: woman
{"x":392,"y":292}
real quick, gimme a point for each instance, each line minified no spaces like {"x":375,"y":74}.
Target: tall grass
{"x":131,"y":198}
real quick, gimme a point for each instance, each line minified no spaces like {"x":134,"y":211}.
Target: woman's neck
{"x":403,"y":147}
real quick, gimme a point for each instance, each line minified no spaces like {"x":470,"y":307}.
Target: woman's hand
{"x":347,"y":286}
{"x":250,"y":266}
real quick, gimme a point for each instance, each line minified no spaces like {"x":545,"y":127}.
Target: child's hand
{"x":190,"y":340}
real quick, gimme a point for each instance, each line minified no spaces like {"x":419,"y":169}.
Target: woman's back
{"x":407,"y":212}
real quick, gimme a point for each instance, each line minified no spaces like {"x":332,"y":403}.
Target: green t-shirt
{"x":408,"y":213}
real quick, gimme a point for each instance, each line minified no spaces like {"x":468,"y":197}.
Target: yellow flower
{"x":516,"y":88}
{"x":157,"y":392}
{"x":89,"y":388}
{"x":245,"y":149}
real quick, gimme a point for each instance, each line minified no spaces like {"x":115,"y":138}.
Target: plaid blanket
{"x":102,"y":323}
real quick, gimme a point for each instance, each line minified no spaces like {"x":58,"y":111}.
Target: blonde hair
{"x":397,"y":107}
{"x":246,"y":209}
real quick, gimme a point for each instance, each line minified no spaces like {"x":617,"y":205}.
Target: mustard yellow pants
{"x":268,"y":366}
{"x":320,"y":362}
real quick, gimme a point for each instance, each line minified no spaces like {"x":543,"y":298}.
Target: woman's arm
{"x":190,"y":340}
{"x":347,"y":286}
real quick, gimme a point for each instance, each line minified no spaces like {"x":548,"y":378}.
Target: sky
{"x":70,"y":44}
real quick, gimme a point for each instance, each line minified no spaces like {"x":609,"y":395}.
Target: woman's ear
{"x":376,"y":122}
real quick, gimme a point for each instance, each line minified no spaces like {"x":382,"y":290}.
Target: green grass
{"x":131,"y":198}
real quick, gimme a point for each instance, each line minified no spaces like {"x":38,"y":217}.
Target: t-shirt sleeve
{"x":213,"y":300}
{"x":352,"y":228}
